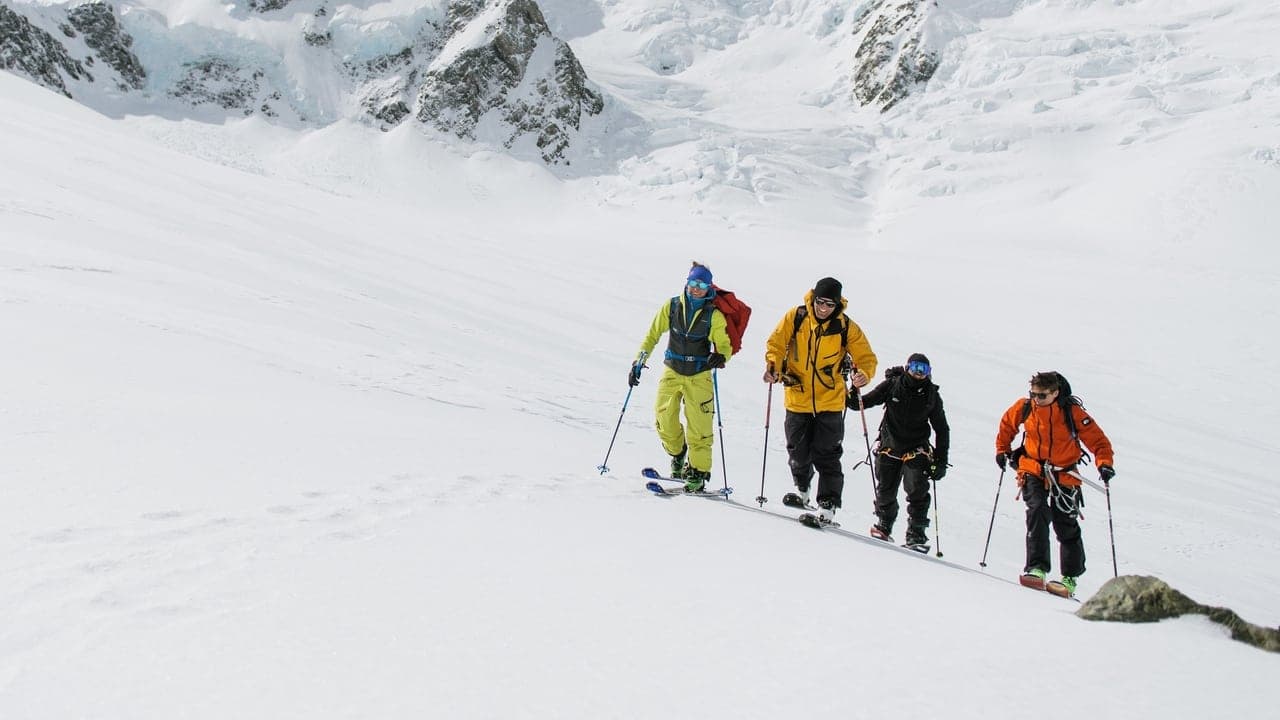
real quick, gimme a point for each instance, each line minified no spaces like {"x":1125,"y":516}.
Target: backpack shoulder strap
{"x":802,"y":312}
{"x":1067,"y":406}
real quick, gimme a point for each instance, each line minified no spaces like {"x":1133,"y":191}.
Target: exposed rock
{"x":461,"y":12}
{"x":33,"y":52}
{"x":893,"y":56}
{"x":390,"y":62}
{"x":386,"y":80}
{"x":315,"y":31}
{"x":102,"y":33}
{"x":392,"y":113}
{"x":317,"y":39}
{"x":516,"y":67}
{"x":480,"y":69}
{"x":221,"y":81}
{"x":1136,"y":598}
{"x":263,"y":6}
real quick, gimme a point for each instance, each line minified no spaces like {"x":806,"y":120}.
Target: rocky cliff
{"x":487,"y":70}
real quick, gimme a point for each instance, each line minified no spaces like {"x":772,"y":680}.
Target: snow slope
{"x":304,"y":424}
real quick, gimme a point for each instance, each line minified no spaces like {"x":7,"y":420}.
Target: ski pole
{"x":604,"y":466}
{"x":992,"y":524}
{"x":1115,"y":568}
{"x":866,"y":437}
{"x":724,"y":470}
{"x":937,"y":519}
{"x":768,"y":410}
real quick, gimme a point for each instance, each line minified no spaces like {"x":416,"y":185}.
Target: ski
{"x":1053,"y":587}
{"x":815,"y":522}
{"x":878,"y":534}
{"x":654,"y":486}
{"x":657,"y":489}
{"x":1035,"y":582}
{"x":922,"y":548}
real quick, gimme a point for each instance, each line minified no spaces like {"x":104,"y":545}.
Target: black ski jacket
{"x":911,"y":407}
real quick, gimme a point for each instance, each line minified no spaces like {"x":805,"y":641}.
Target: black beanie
{"x":918,"y":356}
{"x":829,"y":288}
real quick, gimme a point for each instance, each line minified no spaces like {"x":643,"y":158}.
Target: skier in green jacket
{"x":697,"y":343}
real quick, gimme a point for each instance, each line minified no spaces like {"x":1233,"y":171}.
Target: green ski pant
{"x":695,"y":392}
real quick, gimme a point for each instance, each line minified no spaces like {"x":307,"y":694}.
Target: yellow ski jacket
{"x":812,"y":353}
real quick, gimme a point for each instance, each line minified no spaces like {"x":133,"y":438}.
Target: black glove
{"x":938,"y":470}
{"x":633,"y":376}
{"x":716,"y":361}
{"x":1106,"y":472}
{"x":1002,"y":460}
{"x":893,"y":372}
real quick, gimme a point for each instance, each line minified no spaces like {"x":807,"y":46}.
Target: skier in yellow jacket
{"x":809,"y":352}
{"x":697,"y":343}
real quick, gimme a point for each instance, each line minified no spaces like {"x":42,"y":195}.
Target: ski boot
{"x":1034,"y":579}
{"x":678,"y":465}
{"x":916,"y":538}
{"x":798,"y":499}
{"x":694,"y":479}
{"x":880,"y":531}
{"x":1066,"y":587}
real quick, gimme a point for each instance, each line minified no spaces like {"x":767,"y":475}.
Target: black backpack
{"x":802,"y":312}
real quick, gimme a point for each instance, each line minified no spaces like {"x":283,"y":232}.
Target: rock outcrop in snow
{"x":895,"y":54}
{"x":46,"y":43}
{"x":36,"y":54}
{"x":1138,"y":598}
{"x":97,"y":21}
{"x":501,"y":60}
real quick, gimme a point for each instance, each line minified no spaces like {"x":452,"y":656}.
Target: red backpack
{"x":736,"y":314}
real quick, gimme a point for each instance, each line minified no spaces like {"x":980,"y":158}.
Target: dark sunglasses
{"x":917,"y":367}
{"x":823,"y":302}
{"x":1040,"y":396}
{"x":699,"y":285}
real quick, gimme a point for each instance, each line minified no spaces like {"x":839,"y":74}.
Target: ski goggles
{"x":918,"y":367}
{"x":698,"y":285}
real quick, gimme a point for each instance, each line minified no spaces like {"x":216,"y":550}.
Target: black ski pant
{"x":814,"y":442}
{"x":1043,"y":511}
{"x":890,"y":472}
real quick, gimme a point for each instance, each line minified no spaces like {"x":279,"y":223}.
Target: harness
{"x":1067,"y":500}
{"x":923,"y":451}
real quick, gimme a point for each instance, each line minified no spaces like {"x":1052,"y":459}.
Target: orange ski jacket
{"x":1049,"y":439}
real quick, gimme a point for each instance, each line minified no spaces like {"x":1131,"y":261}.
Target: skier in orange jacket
{"x":1055,"y":425}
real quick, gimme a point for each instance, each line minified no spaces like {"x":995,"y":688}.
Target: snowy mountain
{"x":300,"y":414}
{"x":470,"y":69}
{"x":488,"y":71}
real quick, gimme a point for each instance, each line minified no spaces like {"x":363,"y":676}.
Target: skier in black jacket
{"x":903,"y":453}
